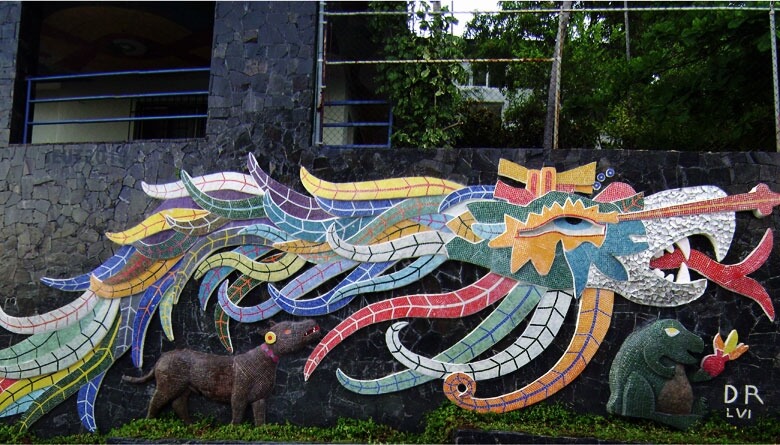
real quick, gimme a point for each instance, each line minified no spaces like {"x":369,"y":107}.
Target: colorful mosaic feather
{"x":208,"y":183}
{"x":211,"y":279}
{"x":154,"y":224}
{"x":511,"y":311}
{"x":86,"y":401}
{"x":89,"y":333}
{"x":57,"y":319}
{"x":105,"y":270}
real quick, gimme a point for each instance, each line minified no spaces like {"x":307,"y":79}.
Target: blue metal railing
{"x":345,"y":103}
{"x":33,"y":81}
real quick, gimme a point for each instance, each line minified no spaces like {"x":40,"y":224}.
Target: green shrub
{"x":553,"y":420}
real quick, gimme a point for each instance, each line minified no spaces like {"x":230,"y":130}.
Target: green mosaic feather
{"x":248,"y":208}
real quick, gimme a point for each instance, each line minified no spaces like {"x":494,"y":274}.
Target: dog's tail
{"x":142,"y":379}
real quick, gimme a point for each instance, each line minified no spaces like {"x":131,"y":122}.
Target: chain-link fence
{"x":506,"y":60}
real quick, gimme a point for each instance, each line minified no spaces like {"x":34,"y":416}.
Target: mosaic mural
{"x":550,"y":242}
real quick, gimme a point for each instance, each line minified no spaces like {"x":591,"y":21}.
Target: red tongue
{"x":728,"y":276}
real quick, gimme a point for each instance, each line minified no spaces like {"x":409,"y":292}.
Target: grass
{"x":553,"y":420}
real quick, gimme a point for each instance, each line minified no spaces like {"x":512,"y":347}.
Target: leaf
{"x":717,"y":342}
{"x":731,"y":341}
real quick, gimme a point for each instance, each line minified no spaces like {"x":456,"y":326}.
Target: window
{"x":351,"y":114}
{"x":112,"y":71}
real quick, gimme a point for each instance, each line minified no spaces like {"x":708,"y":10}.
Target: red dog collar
{"x":264,"y":347}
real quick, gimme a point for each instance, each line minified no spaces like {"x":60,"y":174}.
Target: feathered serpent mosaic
{"x":561,"y":240}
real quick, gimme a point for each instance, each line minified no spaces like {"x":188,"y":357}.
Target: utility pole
{"x":628,"y":39}
{"x":554,"y":93}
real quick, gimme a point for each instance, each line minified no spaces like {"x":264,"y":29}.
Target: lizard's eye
{"x":671,"y":332}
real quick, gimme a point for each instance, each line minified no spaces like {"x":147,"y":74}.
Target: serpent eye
{"x":569,"y":218}
{"x":671,"y":332}
{"x":572,"y":225}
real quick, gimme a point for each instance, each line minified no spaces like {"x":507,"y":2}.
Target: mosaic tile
{"x":593,"y":321}
{"x":55,"y":320}
{"x":307,"y":230}
{"x":492,"y":286}
{"x":208,"y":183}
{"x":175,"y":245}
{"x":199,"y":226}
{"x":325,"y":303}
{"x":470,"y":193}
{"x":146,"y":309}
{"x":648,"y":379}
{"x":512,"y":309}
{"x":246,"y":208}
{"x":82,"y":344}
{"x":235,"y":293}
{"x":408,"y":187}
{"x":351,"y":209}
{"x":287,"y":199}
{"x":86,"y":402}
{"x":212,"y":278}
{"x":108,"y":268}
{"x":154,"y":224}
{"x":544,"y":325}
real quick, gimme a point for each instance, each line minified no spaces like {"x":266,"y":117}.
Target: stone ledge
{"x":511,"y":437}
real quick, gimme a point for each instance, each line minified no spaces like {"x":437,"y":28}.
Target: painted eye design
{"x":671,"y":332}
{"x":572,"y":217}
{"x":572,"y":225}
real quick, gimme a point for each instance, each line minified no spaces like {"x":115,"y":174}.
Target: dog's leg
{"x":180,"y":407}
{"x":238,"y":403}
{"x":258,"y":409}
{"x":159,"y":399}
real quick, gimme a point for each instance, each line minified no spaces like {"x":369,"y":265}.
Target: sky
{"x":467,"y":6}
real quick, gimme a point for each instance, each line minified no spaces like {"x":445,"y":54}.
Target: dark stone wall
{"x":10,"y":13}
{"x":262,"y":81}
{"x":57,"y":201}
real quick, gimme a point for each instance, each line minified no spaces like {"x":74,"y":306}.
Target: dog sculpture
{"x":238,"y":380}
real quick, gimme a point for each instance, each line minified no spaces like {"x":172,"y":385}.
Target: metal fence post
{"x":554,"y":94}
{"x":773,"y":40}
{"x":319,"y":73}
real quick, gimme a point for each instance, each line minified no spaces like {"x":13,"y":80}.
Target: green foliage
{"x":695,"y":80}
{"x":557,"y":420}
{"x":481,"y":127}
{"x":709,"y":88}
{"x":11,"y":434}
{"x":551,"y":420}
{"x":426,"y":102}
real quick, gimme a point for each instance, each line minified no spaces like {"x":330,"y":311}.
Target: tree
{"x":697,"y":80}
{"x":425,"y":98}
{"x":701,"y":81}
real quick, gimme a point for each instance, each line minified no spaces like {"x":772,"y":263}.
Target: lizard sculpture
{"x":648,"y":377}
